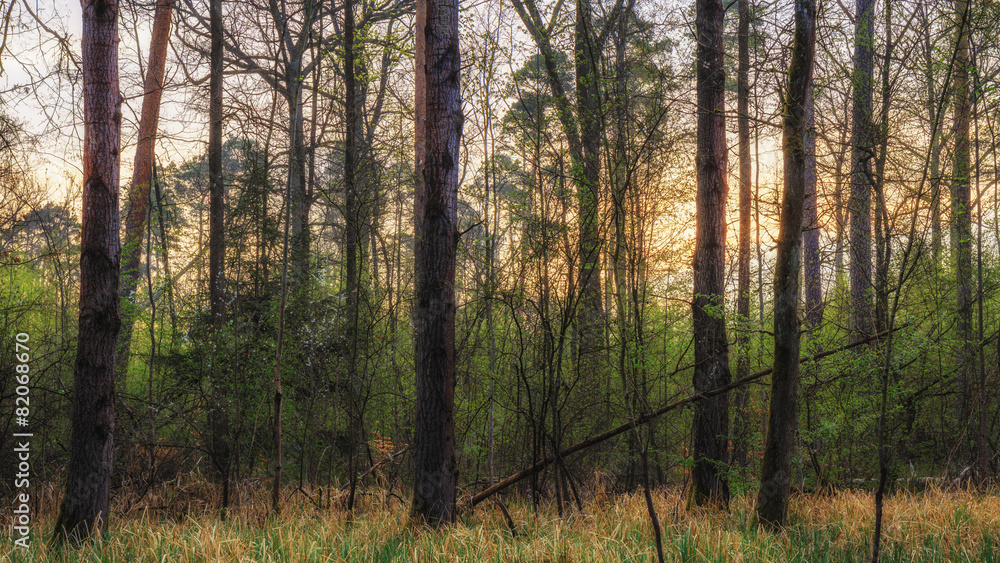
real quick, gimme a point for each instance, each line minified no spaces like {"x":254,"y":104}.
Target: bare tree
{"x":85,"y":505}
{"x":775,"y":479}
{"x":582,"y":129}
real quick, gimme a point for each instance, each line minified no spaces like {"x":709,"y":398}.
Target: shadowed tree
{"x":217,"y":252}
{"x":85,"y":504}
{"x":742,"y":424}
{"x":862,"y":153}
{"x":811,"y":259}
{"x":438,"y":130}
{"x":775,"y":479}
{"x":711,"y":349}
{"x":961,"y":231}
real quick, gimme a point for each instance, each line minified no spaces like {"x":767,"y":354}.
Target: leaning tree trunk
{"x":862,"y":153}
{"x":138,"y":195}
{"x":438,"y":105}
{"x":772,"y":499}
{"x":84,"y":507}
{"x":711,"y":349}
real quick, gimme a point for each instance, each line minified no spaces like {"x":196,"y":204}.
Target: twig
{"x":649,"y":416}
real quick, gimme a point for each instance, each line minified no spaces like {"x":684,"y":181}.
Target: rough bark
{"x":137,"y":208}
{"x":217,"y":255}
{"x":84,"y":508}
{"x":351,"y":223}
{"x":812,"y":260}
{"x":961,"y":229}
{"x":711,"y":349}
{"x":741,"y":431}
{"x":438,"y":129}
{"x":772,"y":499}
{"x":862,"y":152}
{"x":216,"y":186}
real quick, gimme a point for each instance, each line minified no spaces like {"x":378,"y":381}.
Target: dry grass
{"x":931,"y":526}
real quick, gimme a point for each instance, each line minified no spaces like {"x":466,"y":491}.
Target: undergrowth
{"x":836,"y":527}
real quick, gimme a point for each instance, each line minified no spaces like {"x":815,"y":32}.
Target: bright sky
{"x":53,"y":107}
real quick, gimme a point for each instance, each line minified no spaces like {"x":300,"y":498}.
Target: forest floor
{"x":835,"y":527}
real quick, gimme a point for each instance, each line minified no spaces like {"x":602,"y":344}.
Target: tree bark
{"x":742,"y":423}
{"x":883,"y":243}
{"x":438,"y":129}
{"x":935,"y":140}
{"x":85,"y":504}
{"x":137,"y":213}
{"x":862,"y":152}
{"x":590,"y":313}
{"x":961,"y":231}
{"x":772,"y":499}
{"x":711,"y":349}
{"x":812,"y":260}
{"x":217,"y":256}
{"x":217,"y":189}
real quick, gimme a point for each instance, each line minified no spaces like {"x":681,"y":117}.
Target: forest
{"x":499,"y":280}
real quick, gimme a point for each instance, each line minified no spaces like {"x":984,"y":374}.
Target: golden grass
{"x":930,"y":526}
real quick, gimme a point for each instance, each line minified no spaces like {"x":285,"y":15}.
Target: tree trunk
{"x":351,"y":219}
{"x":711,"y":349}
{"x":742,"y":430}
{"x":935,"y":140}
{"x":883,"y":246}
{"x":812,"y":261}
{"x":772,"y":500}
{"x":217,"y":188}
{"x":590,"y":316}
{"x":438,"y":129}
{"x":961,"y":231}
{"x":354,"y":227}
{"x":138,"y":196}
{"x":85,"y":505}
{"x":862,"y":152}
{"x":217,"y":258}
{"x":301,"y":239}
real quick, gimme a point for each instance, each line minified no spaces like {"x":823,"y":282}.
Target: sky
{"x":52,"y":109}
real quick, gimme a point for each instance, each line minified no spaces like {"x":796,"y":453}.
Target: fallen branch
{"x":649,"y":416}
